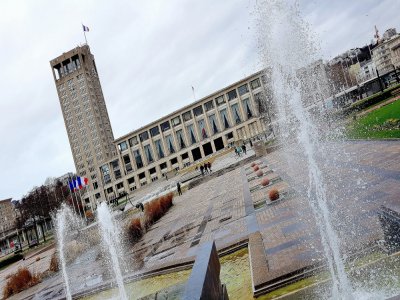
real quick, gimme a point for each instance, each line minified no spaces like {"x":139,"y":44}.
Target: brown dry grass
{"x":54,"y":266}
{"x":153,"y":211}
{"x":135,"y":230}
{"x":273,"y":194}
{"x":19,"y":281}
{"x":89,"y":215}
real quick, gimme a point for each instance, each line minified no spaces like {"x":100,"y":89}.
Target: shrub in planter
{"x":256,"y":168}
{"x":54,"y":267}
{"x":19,"y":281}
{"x":135,"y":230}
{"x":264,"y":181}
{"x":168,"y":199}
{"x":89,"y":215}
{"x":259,"y":173}
{"x":273,"y":194}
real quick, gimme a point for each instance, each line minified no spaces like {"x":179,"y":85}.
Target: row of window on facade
{"x":182,"y":139}
{"x":214,"y":125}
{"x":152,"y":172}
{"x":67,"y":66}
{"x":114,"y":165}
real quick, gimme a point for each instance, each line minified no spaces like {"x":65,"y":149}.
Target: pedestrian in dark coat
{"x":178,"y":188}
{"x":202,"y":170}
{"x":206,"y":168}
{"x":209,"y":166}
{"x":244,"y":148}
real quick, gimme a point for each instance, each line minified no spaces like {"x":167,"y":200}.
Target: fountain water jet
{"x":66,"y":221}
{"x":110,"y":237}
{"x":287,"y":49}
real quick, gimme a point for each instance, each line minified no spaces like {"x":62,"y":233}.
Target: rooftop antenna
{"x":378,"y":38}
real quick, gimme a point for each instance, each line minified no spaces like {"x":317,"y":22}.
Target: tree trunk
{"x":27,"y":238}
{"x":44,"y":236}
{"x":36,"y":232}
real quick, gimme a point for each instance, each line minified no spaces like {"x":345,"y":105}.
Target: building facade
{"x":394,"y":46}
{"x":7,"y":225}
{"x":367,"y":71}
{"x":189,"y":135}
{"x":85,"y":113}
{"x":382,"y":54}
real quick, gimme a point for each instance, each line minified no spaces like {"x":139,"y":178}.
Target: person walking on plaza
{"x":244,"y":148}
{"x":251,"y":144}
{"x":178,"y":188}
{"x":209,"y":166}
{"x":239,"y":150}
{"x":202,"y":170}
{"x":206,"y":168}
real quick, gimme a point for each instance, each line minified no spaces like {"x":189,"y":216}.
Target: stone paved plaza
{"x":232,"y":208}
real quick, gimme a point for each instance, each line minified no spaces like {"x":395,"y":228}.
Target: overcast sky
{"x":148,"y":54}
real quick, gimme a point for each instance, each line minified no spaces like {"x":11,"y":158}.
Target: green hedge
{"x":10,"y":260}
{"x":367,"y":102}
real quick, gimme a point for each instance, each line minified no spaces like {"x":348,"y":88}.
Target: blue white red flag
{"x":78,"y":183}
{"x":71,"y":186}
{"x":81,"y":182}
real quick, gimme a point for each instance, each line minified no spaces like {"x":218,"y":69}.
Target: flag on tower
{"x":85,"y":28}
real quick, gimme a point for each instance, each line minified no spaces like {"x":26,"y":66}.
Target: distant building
{"x":389,"y":33}
{"x":367,"y":71}
{"x":382,"y":54}
{"x":394,"y":47}
{"x":316,"y":88}
{"x":354,"y":70}
{"x":7,"y":225}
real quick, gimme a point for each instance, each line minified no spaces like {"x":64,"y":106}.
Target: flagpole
{"x":72,"y":195}
{"x":84,"y":33}
{"x":83,"y":204}
{"x":194,"y":96}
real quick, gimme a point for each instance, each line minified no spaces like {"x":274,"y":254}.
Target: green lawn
{"x":365,"y":127}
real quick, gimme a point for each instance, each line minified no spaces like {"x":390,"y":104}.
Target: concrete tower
{"x":85,"y":115}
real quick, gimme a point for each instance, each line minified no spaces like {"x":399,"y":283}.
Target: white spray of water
{"x":287,"y":49}
{"x":110,"y":237}
{"x":65,"y":220}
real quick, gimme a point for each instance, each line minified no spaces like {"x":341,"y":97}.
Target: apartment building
{"x":385,"y":54}
{"x":7,"y":225}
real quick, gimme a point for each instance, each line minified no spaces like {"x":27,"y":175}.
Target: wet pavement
{"x":231,"y":206}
